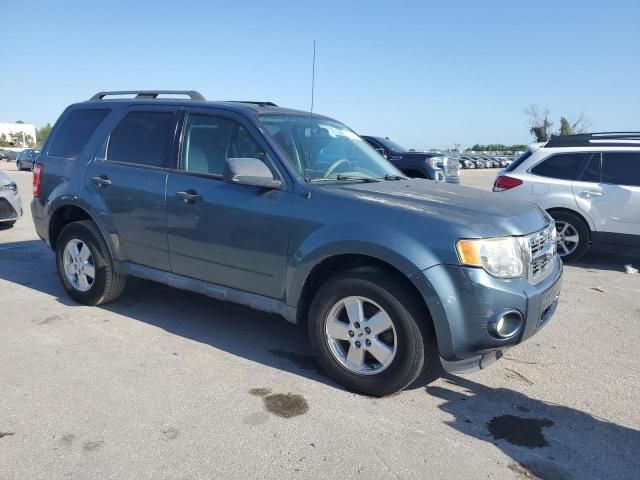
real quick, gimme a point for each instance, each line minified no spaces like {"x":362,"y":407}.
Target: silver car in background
{"x":10,"y":203}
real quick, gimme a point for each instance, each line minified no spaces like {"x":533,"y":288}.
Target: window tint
{"x":209,"y":141}
{"x":565,"y":166}
{"x":621,"y":168}
{"x":592,"y":172}
{"x":141,"y":138}
{"x":72,"y":135}
{"x":518,"y":161}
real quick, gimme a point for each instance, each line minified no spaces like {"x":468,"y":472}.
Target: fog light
{"x":506,"y":325}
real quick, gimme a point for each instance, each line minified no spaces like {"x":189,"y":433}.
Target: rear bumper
{"x":463,"y":303}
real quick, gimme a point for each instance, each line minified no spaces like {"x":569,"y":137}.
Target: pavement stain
{"x":6,"y":434}
{"x":520,"y":431}
{"x":170,"y":433}
{"x":286,"y":405}
{"x":92,"y":446}
{"x":283,"y":405}
{"x":260,"y":392}
{"x":68,"y":438}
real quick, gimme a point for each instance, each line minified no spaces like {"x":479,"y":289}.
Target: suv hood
{"x":476,"y":213}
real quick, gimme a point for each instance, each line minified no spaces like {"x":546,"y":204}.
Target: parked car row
{"x":474,"y":161}
{"x":8,"y":155}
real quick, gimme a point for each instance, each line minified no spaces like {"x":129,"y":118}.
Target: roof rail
{"x":260,"y":104}
{"x":148,"y":94}
{"x":610,"y":139}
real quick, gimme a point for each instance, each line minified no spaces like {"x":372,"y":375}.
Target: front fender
{"x":405,"y":253}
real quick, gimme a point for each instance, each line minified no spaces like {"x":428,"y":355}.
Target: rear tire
{"x":385,"y":362}
{"x":573,"y":235}
{"x":105,"y":285}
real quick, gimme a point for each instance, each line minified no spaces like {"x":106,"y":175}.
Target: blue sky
{"x":423,"y":73}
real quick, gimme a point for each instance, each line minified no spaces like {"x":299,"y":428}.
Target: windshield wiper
{"x":355,"y":178}
{"x":394,"y":177}
{"x":345,"y":178}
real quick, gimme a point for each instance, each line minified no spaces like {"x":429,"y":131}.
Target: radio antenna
{"x":313,"y":75}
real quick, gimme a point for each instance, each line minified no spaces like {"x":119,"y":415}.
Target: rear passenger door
{"x":610,"y":190}
{"x":127,"y":183}
{"x":231,"y":235}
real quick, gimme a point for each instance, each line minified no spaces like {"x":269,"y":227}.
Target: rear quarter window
{"x":70,"y":138}
{"x":563,"y":166}
{"x":621,"y":168}
{"x":518,"y":161}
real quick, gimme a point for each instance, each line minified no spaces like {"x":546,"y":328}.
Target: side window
{"x":141,"y":138}
{"x":621,"y":168}
{"x":592,"y":172}
{"x":70,"y":138}
{"x":564,"y":166}
{"x":209,"y":141}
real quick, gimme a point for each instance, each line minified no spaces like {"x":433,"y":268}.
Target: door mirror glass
{"x":249,"y":171}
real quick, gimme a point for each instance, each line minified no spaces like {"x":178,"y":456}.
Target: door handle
{"x":590,"y":193}
{"x":190,"y":196}
{"x":101,"y":181}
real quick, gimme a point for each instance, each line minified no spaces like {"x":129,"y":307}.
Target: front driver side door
{"x":231,"y":235}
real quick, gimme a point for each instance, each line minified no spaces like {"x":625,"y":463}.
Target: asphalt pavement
{"x":165,"y":384}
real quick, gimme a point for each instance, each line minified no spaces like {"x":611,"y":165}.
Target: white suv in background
{"x":589,"y":183}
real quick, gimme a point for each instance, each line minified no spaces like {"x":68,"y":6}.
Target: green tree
{"x":565,"y":127}
{"x":16,"y":139}
{"x":42,"y":134}
{"x":29,"y":141}
{"x":539,"y":123}
{"x":4,"y":142}
{"x":19,"y":121}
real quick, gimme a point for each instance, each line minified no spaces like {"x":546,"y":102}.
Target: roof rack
{"x":260,"y":104}
{"x":148,"y":94}
{"x":608,"y":139}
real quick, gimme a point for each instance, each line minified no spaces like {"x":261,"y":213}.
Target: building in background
{"x":17,"y":136}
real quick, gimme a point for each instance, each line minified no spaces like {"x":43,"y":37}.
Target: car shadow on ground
{"x":608,"y":260}
{"x":251,"y":334}
{"x":545,"y":440}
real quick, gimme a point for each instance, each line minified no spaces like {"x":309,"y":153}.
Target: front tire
{"x":573,"y":235}
{"x":85,"y":266}
{"x":369,"y":333}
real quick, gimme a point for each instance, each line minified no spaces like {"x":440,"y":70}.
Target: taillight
{"x":38,"y":170}
{"x":504,"y":182}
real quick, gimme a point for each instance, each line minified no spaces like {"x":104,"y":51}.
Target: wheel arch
{"x":582,"y":217}
{"x":67,"y":213}
{"x":335,"y":264}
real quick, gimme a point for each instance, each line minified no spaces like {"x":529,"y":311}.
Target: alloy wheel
{"x":361,"y":335}
{"x":568,"y":238}
{"x":79,"y":266}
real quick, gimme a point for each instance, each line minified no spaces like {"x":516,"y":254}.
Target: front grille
{"x":6,"y":210}
{"x":542,"y":250}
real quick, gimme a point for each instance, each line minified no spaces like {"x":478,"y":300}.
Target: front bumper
{"x":463,"y":301}
{"x":10,"y":206}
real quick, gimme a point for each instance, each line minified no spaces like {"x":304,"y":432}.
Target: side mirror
{"x":381,"y":152}
{"x":249,"y":171}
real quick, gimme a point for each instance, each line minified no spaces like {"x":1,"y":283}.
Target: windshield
{"x":325,"y":150}
{"x":390,"y":145}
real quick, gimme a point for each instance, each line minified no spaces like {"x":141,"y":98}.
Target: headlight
{"x":11,"y":186}
{"x":501,"y":257}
